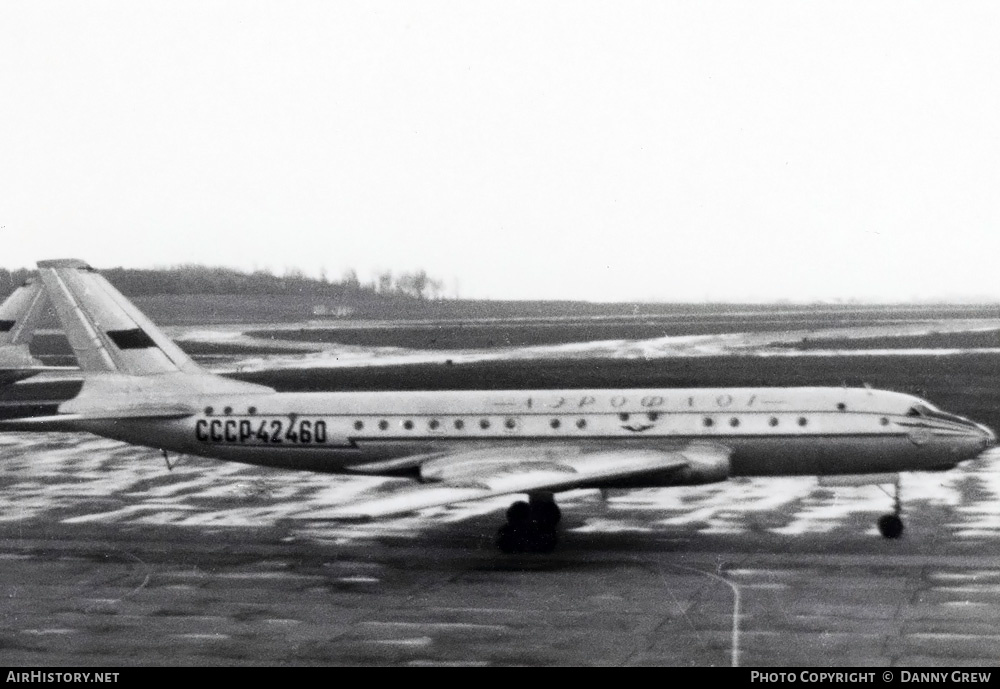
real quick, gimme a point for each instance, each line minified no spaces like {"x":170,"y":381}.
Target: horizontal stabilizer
{"x":13,"y":374}
{"x":136,"y":412}
{"x":176,"y":411}
{"x":57,"y":422}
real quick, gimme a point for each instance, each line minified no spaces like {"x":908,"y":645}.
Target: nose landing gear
{"x":531,"y":526}
{"x":891,"y":525}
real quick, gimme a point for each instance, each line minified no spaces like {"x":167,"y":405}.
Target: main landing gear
{"x":531,"y":526}
{"x":891,"y":525}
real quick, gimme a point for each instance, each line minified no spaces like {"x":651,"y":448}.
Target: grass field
{"x":478,"y":335}
{"x":982,"y":339}
{"x":203,"y":309}
{"x":473,"y":334}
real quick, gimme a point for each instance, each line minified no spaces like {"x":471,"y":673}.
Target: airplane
{"x":140,"y":388}
{"x":29,"y":387}
{"x":19,"y":314}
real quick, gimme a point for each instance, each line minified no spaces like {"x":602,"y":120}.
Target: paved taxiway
{"x":107,"y":558}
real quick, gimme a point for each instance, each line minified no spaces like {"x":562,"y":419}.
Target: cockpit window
{"x":930,"y":412}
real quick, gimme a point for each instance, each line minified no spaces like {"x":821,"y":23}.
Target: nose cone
{"x":989,"y":437}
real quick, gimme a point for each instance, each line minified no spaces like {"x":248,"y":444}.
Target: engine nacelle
{"x":708,"y":465}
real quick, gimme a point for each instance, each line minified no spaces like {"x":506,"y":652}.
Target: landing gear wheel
{"x":519,"y":513}
{"x":546,"y":514}
{"x":530,"y":527}
{"x":890,"y":526}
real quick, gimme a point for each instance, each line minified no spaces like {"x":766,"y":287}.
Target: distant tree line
{"x":195,"y":279}
{"x":418,"y":284}
{"x":12,"y":279}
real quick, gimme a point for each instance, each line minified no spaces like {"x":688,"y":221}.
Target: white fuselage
{"x":770,"y":431}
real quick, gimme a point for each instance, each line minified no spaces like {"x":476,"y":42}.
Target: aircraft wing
{"x":485,"y":473}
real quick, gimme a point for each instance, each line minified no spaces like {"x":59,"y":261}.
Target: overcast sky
{"x":602,"y":151}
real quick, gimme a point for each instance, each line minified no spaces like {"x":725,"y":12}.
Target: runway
{"x":109,"y":559}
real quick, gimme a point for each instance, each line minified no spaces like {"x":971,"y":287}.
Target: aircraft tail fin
{"x":19,"y":314}
{"x":106,"y":331}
